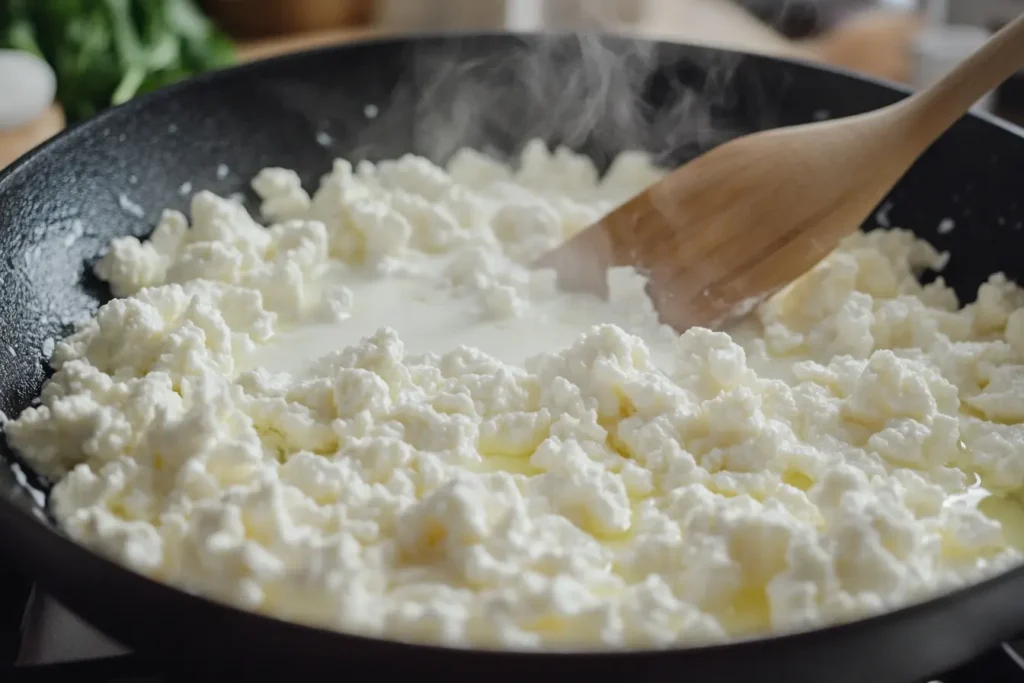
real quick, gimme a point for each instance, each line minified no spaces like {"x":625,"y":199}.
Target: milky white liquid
{"x":432,"y":318}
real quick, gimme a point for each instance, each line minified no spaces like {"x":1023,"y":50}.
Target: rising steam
{"x":593,"y":92}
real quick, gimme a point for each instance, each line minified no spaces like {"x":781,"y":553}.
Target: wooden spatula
{"x":731,"y":227}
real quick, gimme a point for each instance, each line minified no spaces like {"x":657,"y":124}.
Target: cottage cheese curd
{"x":373,"y":416}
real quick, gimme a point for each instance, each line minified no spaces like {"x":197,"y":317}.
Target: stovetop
{"x":41,"y":640}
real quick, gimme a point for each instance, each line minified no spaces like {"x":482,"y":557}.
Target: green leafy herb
{"x":106,"y":52}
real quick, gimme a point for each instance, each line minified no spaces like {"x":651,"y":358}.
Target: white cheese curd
{"x":373,"y":416}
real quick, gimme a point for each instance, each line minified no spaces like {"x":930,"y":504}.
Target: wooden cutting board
{"x":875,"y":44}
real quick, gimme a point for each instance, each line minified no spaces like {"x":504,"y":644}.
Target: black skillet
{"x":63,"y":203}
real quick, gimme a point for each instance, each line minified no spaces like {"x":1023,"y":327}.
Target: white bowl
{"x":27,"y":88}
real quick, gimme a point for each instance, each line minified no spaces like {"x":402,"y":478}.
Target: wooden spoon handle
{"x":937,"y":108}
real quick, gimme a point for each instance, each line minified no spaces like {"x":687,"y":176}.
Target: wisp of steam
{"x":586,"y":89}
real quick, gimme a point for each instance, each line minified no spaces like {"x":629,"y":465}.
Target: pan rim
{"x":144,"y":100}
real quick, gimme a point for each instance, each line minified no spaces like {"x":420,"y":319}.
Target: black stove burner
{"x":14,"y":596}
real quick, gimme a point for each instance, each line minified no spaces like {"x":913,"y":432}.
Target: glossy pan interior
{"x":62,"y":204}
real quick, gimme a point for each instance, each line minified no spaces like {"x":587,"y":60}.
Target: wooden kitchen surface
{"x":876,"y":44}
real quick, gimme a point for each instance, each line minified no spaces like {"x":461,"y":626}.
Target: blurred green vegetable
{"x":107,"y":51}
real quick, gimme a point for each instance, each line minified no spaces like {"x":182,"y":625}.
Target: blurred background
{"x":908,"y":41}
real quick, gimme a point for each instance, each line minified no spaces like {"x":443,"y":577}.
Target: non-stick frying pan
{"x":63,"y":203}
